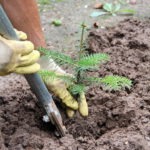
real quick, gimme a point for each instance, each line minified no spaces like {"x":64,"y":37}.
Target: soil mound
{"x":117,"y":120}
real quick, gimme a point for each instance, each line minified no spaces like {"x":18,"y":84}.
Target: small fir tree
{"x":80,"y":80}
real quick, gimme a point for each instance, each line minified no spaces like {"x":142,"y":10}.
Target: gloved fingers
{"x":28,"y":69}
{"x":83,"y":106}
{"x":67,"y":99}
{"x":29,"y":59}
{"x":70,"y":112}
{"x":22,"y":47}
{"x":21,"y":35}
{"x":61,"y":92}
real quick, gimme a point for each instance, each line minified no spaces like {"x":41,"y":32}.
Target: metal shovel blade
{"x":34,"y":80}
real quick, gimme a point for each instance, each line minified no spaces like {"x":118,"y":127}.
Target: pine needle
{"x":47,"y":75}
{"x":116,"y":82}
{"x":92,"y":61}
{"x":77,"y":89}
{"x":67,"y":79}
{"x":59,"y":57}
{"x":52,"y":75}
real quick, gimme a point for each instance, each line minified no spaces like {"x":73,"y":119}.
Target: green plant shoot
{"x":80,"y":66}
{"x":113,"y":9}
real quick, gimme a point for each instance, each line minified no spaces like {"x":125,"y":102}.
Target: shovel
{"x":34,"y":80}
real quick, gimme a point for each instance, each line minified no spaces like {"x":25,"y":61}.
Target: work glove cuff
{"x":49,"y":64}
{"x":5,"y":55}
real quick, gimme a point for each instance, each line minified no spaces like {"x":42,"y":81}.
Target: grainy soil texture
{"x":118,"y":120}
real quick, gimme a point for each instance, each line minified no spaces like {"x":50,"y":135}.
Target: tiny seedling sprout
{"x":81,"y":65}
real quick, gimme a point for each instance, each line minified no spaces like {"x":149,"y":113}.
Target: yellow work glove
{"x":18,"y":56}
{"x":82,"y":107}
{"x":59,"y":88}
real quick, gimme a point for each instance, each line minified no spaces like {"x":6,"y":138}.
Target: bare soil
{"x":117,"y":120}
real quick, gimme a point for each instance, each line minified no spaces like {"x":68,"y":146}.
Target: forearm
{"x":24,"y":16}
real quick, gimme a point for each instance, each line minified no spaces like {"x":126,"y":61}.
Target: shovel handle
{"x":34,"y":80}
{"x":39,"y":89}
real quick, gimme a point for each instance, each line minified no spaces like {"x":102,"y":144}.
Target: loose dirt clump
{"x":117,"y":120}
{"x":126,"y":112}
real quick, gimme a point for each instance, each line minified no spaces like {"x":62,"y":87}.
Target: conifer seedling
{"x":80,"y":81}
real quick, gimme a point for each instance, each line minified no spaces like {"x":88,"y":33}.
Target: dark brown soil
{"x":117,"y":120}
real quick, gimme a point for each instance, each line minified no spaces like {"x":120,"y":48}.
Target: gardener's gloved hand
{"x":82,"y":107}
{"x":59,"y":88}
{"x":18,"y":56}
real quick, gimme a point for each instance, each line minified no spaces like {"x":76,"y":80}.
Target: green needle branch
{"x":80,"y":80}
